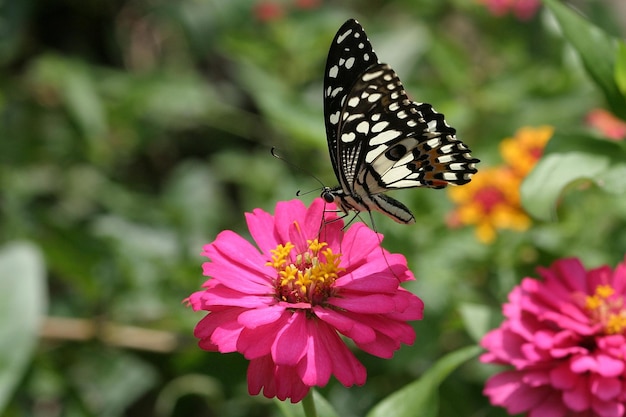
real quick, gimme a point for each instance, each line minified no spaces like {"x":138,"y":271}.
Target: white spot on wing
{"x":379,"y":127}
{"x":447,"y":148}
{"x":348,"y":137}
{"x":334,"y":118}
{"x":336,"y":91}
{"x":374,"y":98}
{"x":363,"y":127}
{"x":333,"y":71}
{"x":374,"y":153}
{"x":349,"y":62}
{"x":341,"y":38}
{"x":384,"y":137}
{"x":353,"y":102}
{"x":433,"y":143}
{"x":371,"y":76}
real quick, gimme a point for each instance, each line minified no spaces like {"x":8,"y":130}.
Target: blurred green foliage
{"x":133,"y":131}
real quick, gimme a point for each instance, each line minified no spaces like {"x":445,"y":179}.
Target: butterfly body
{"x":378,"y":139}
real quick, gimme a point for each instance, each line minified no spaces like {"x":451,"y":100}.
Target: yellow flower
{"x":490,"y":201}
{"x":522,"y":151}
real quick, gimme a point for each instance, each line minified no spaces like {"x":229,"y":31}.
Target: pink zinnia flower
{"x":564,"y":336}
{"x":523,"y":9}
{"x":285,"y":304}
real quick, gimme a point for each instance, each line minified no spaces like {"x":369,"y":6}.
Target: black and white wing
{"x":378,"y":138}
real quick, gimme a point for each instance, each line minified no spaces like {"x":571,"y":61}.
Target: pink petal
{"x":382,"y":347}
{"x":276,"y":381}
{"x":236,"y":263}
{"x":358,"y":242}
{"x":260,"y":375}
{"x":507,"y":390}
{"x":261,"y":227}
{"x":371,"y":304}
{"x":318,"y":213}
{"x":400,"y":331}
{"x":222,"y":296}
{"x":286,"y":214}
{"x":578,"y":398}
{"x":619,"y":278}
{"x":289,"y":384}
{"x":219,"y":328}
{"x":409,"y":306}
{"x":571,"y":272}
{"x":316,"y":367}
{"x":561,"y":377}
{"x":608,"y":408}
{"x":605,"y":389}
{"x":353,"y":329}
{"x":346,"y":368}
{"x":291,"y":341}
{"x":608,"y":366}
{"x":582,"y":363}
{"x":367,"y":284}
{"x":257,"y":343}
{"x":252,"y":319}
{"x":551,"y":406}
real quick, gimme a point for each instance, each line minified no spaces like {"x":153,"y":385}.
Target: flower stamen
{"x":607,"y":309}
{"x":305,"y":277}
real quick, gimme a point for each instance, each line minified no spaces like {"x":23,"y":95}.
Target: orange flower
{"x":522,"y":151}
{"x":609,"y":125}
{"x":491,"y":201}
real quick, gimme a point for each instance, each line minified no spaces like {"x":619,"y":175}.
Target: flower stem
{"x":309,"y":405}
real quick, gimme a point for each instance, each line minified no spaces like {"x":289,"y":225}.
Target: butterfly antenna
{"x":297,"y":168}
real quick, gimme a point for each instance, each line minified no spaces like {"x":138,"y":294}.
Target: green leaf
{"x":620,"y":67}
{"x":323,"y":407}
{"x":420,"y":397}
{"x":597,"y":50}
{"x":569,"y":158}
{"x":23,"y":301}
{"x":476,"y":319}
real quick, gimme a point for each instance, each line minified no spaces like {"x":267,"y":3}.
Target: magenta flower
{"x":285,"y":304}
{"x":564,"y":338}
{"x":523,"y":9}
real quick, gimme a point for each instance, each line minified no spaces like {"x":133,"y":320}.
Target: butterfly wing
{"x":401,"y":144}
{"x":377,"y":137}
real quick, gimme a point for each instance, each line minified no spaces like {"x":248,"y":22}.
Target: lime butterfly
{"x":380,"y":140}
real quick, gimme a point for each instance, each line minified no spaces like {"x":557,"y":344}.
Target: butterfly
{"x":378,"y":139}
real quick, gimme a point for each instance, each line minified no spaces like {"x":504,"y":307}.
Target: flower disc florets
{"x":308,"y":276}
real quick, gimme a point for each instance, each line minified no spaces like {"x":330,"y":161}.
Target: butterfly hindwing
{"x":377,"y":137}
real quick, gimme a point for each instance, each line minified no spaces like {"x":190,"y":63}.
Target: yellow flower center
{"x":607,"y":308}
{"x":307,"y":276}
